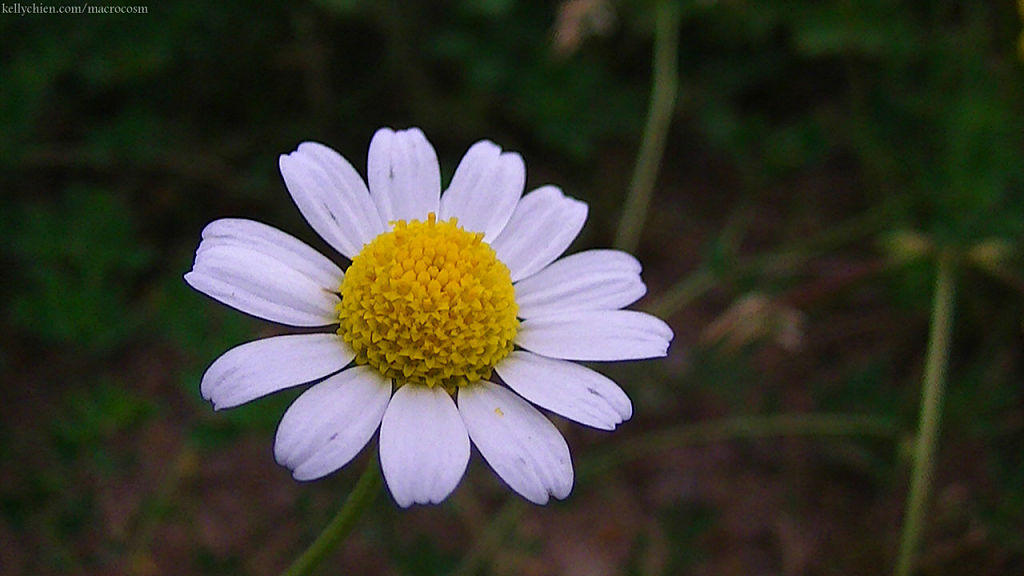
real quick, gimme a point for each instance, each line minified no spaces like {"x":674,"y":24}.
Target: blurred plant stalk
{"x":932,"y":390}
{"x":664,"y":88}
{"x":341,"y":525}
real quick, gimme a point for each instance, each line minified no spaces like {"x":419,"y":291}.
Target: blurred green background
{"x":819,"y":153}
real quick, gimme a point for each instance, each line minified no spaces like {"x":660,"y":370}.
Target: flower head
{"x":455,"y":317}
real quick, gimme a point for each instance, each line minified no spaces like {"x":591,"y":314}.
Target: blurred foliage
{"x":122,"y":135}
{"x":81,"y":260}
{"x":925,"y":98}
{"x":93,"y":416}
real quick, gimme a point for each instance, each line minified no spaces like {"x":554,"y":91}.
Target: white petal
{"x":331,"y":196}
{"x":522,"y":446}
{"x":274,"y":243}
{"x":543,"y":225}
{"x":405,"y":180}
{"x":591,"y":280}
{"x":567,"y":389}
{"x":599,"y":335}
{"x":424,"y":447}
{"x":485,"y":189}
{"x":261,"y":367}
{"x":331,"y":422}
{"x":265,"y":281}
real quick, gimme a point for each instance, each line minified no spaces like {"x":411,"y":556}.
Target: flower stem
{"x":341,"y":525}
{"x":665,"y":85}
{"x":931,"y":413}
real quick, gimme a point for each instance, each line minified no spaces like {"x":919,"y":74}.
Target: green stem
{"x":341,"y":525}
{"x":665,"y":85}
{"x":931,"y":413}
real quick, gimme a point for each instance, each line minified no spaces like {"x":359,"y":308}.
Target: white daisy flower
{"x":443,"y":292}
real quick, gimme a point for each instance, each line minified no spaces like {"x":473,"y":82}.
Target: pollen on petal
{"x":429,"y":303}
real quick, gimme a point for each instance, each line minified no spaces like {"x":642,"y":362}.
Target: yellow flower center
{"x":428,"y":303}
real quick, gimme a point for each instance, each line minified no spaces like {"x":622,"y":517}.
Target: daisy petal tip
{"x":626,"y":411}
{"x":310,"y":146}
{"x":660,"y":332}
{"x":291,"y":168}
{"x":281,"y":456}
{"x":288,"y":163}
{"x":542,"y":497}
{"x":563,"y":494}
{"x":575,"y":209}
{"x":667,"y":330}
{"x":205,"y":392}
{"x":659,"y":351}
{"x":563,"y":489}
{"x":285,"y":455}
{"x":414,"y":132}
{"x":666,"y":333}
{"x":538,"y":499}
{"x":406,"y":500}
{"x":640,"y":289}
{"x":482,"y":146}
{"x":211,"y":228}
{"x":513,"y":162}
{"x":304,"y":475}
{"x":579,"y":206}
{"x":405,"y":494}
{"x":217,"y":403}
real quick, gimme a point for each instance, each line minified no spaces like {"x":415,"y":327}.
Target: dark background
{"x":819,"y":155}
